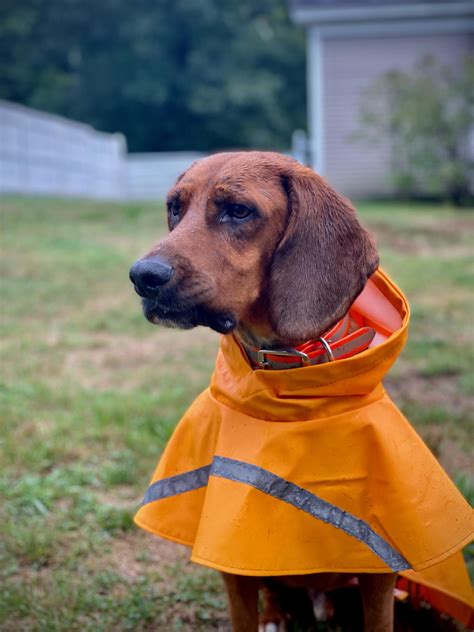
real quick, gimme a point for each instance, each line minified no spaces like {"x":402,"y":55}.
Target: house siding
{"x":356,"y":168}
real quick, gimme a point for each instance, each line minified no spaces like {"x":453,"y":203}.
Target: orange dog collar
{"x":336,"y":344}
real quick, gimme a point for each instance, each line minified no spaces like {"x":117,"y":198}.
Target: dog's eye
{"x":239,"y":211}
{"x":174,"y":209}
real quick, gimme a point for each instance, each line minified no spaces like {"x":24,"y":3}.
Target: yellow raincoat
{"x":312,"y":470}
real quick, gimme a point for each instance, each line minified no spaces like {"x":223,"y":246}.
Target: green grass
{"x":90,"y":393}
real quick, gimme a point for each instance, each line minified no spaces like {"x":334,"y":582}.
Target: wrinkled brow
{"x":231,"y":192}
{"x":179,"y":194}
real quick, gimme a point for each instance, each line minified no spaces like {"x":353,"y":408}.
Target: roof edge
{"x":312,"y":15}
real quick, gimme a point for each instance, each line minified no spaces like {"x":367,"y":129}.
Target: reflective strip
{"x":174,"y":485}
{"x":284,"y":490}
{"x":355,"y":346}
{"x":278,"y":487}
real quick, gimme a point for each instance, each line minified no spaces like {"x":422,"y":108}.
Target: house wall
{"x":349,"y":65}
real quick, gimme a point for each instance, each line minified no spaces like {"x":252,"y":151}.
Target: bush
{"x":427,"y":116}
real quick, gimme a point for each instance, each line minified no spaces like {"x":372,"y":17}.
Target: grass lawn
{"x":91,"y":391}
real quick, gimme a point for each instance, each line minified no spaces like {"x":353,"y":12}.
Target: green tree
{"x":428,"y":117}
{"x":169,"y":74}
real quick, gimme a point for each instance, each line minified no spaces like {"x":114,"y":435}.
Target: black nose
{"x":147,"y":275}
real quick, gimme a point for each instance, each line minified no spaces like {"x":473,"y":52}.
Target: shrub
{"x":427,"y":115}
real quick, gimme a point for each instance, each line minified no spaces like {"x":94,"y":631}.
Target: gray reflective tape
{"x":362,"y":341}
{"x":174,"y":485}
{"x":278,"y":487}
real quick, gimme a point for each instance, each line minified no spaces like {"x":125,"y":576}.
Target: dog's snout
{"x":147,"y":275}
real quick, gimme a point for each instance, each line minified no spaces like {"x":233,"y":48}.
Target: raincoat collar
{"x":297,"y":394}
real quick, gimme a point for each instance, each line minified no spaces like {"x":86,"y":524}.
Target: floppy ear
{"x":322,"y":262}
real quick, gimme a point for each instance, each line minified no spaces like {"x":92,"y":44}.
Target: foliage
{"x":169,"y":74}
{"x":428,"y":116}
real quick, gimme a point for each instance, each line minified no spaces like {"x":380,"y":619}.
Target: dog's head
{"x":257,"y":243}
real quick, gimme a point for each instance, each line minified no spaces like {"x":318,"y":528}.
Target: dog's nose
{"x":147,"y":275}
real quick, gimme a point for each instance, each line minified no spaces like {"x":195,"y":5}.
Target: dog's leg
{"x":273,"y":615}
{"x":377,"y":600}
{"x":243,"y":601}
{"x":285,"y":607}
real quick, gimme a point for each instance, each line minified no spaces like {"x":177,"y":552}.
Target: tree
{"x":169,"y":74}
{"x":428,"y":117}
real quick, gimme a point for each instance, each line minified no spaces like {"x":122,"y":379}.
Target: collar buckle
{"x":264,"y":363}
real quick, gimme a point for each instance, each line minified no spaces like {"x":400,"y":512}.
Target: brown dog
{"x":262,"y":247}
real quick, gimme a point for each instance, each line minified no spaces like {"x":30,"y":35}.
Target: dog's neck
{"x":255,"y":330}
{"x":249,"y":337}
{"x":263,"y":337}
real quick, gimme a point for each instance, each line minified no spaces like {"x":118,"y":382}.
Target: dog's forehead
{"x":236,"y":169}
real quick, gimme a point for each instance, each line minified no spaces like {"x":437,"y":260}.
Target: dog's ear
{"x":322,"y":262}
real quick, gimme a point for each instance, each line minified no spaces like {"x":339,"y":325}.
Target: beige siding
{"x":349,"y":66}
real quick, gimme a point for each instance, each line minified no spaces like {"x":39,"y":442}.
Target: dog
{"x":262,"y":250}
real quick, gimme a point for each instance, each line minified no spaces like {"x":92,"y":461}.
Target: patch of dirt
{"x":424,"y":237}
{"x":103,"y":303}
{"x":43,"y":427}
{"x":433,"y":391}
{"x":111,"y":360}
{"x":437,"y":392}
{"x":133,"y":245}
{"x":447,"y":451}
{"x":118,"y":496}
{"x":135,"y":553}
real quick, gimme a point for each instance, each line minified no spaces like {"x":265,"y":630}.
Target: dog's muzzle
{"x":163,"y":304}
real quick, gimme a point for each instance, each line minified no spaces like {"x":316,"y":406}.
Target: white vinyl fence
{"x":45,"y":154}
{"x":151,"y":175}
{"x":50,"y":155}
